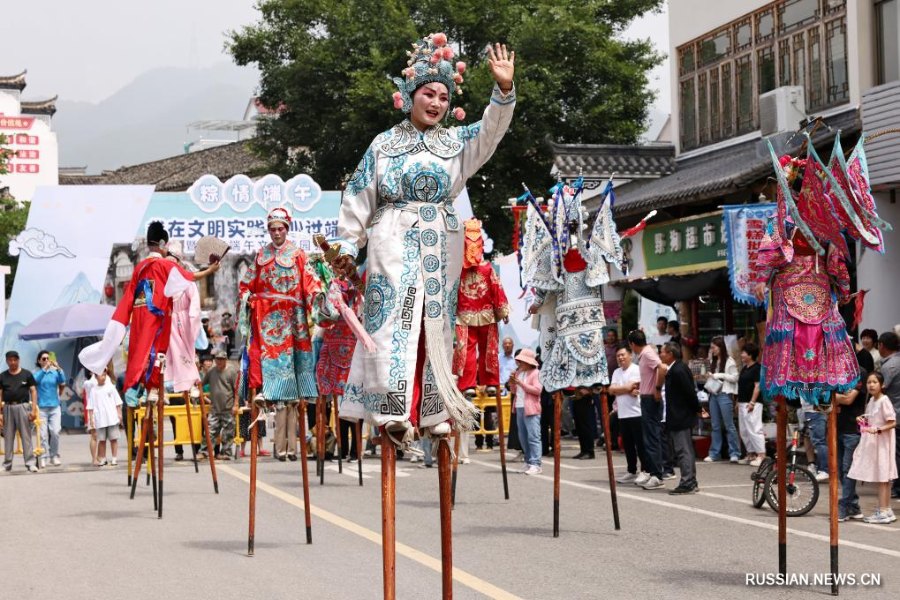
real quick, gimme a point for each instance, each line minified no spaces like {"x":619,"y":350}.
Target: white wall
{"x":880,"y":274}
{"x":23,"y":185}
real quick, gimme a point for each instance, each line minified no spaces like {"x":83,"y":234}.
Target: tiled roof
{"x":724,"y":171}
{"x":39,"y":107}
{"x":602,"y":160}
{"x":177,"y":173}
{"x":13,"y":82}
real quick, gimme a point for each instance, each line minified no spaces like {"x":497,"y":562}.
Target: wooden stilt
{"x":304,"y":471}
{"x":187,"y":411}
{"x":160,"y":408}
{"x":604,"y":414}
{"x":446,"y":517}
{"x":456,"y":442}
{"x":254,"y":438}
{"x":781,"y":467}
{"x":142,"y":442}
{"x":388,"y":510}
{"x":359,"y":450}
{"x":129,"y":438}
{"x":833,"y":480}
{"x":210,"y":454}
{"x":500,"y":437}
{"x":320,"y":439}
{"x":337,"y":433}
{"x":151,"y":460}
{"x":557,"y":415}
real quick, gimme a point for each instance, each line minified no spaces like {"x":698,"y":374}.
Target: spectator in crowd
{"x":750,"y":410}
{"x":206,"y":350}
{"x":864,"y":358}
{"x":874,"y":458}
{"x":222,"y":382}
{"x":724,"y":378}
{"x":18,"y":399}
{"x":583,"y":413}
{"x":673,"y":329}
{"x":661,"y":336}
{"x":852,"y":406}
{"x":650,"y":388}
{"x":868,"y":339}
{"x":507,"y":360}
{"x":888,"y":347}
{"x":682,"y":410}
{"x":623,"y":386}
{"x":610,"y":346}
{"x":526,"y":388}
{"x":106,"y":409}
{"x":50,"y":381}
{"x":227,"y":324}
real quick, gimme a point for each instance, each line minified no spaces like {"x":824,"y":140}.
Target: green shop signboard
{"x":686,"y":245}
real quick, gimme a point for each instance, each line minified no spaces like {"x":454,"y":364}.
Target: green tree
{"x":325,"y":66}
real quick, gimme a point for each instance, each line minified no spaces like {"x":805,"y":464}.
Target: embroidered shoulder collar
{"x":404,"y":138}
{"x":286,"y":256}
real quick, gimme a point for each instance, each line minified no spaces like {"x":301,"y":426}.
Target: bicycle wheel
{"x":759,"y":482}
{"x":802,"y":494}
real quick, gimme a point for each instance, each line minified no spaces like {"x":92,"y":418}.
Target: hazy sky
{"x":89,"y":49}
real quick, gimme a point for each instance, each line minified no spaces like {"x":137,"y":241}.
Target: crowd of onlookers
{"x":658,"y":402}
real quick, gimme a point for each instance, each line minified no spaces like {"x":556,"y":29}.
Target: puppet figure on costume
{"x":481,"y":304}
{"x":399,"y":204}
{"x":803,"y":261}
{"x":566,"y":265}
{"x":145,"y":307}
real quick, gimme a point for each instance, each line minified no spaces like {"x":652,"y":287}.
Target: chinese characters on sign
{"x":242,"y":193}
{"x":245,"y":235}
{"x":690,"y":244}
{"x":25,"y":157}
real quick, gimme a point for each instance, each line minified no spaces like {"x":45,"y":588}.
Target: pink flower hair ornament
{"x":429,"y":62}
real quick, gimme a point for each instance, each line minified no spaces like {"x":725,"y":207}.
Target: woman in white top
{"x":723,"y":369}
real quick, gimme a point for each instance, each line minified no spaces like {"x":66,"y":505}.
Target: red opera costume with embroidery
{"x":481,"y":303}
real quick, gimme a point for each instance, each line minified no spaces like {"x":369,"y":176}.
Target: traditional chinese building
{"x":27,"y":127}
{"x":749,"y":73}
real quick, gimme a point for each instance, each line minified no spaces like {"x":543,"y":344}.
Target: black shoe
{"x":281,"y":457}
{"x":684,"y":490}
{"x":895,"y":495}
{"x":586,"y":456}
{"x":579,"y":456}
{"x":292,"y":457}
{"x":179,"y":457}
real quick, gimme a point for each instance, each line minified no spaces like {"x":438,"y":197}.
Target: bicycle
{"x":802,"y":486}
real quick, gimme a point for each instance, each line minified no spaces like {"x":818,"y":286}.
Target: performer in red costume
{"x":147,"y":306}
{"x":481,"y":304}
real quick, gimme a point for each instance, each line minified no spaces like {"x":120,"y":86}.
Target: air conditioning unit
{"x":781,"y":110}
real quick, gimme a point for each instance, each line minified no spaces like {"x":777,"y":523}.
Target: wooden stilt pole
{"x":833,"y":480}
{"x":388,"y":511}
{"x":456,"y":442}
{"x":151,"y":461}
{"x":254,"y":438}
{"x":557,"y":416}
{"x":210,"y":454}
{"x":129,"y":437}
{"x":444,"y":486}
{"x":320,"y":439}
{"x":142,"y":441}
{"x":304,"y":472}
{"x":781,"y":467}
{"x":500,"y":436}
{"x":359,"y":450}
{"x":604,"y":414}
{"x":337,"y":433}
{"x":187,"y":412}
{"x":160,"y":447}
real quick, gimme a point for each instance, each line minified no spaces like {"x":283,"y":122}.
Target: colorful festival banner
{"x":744,"y":228}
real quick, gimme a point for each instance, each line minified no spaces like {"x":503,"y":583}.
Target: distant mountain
{"x":77,"y":291}
{"x":147,"y":119}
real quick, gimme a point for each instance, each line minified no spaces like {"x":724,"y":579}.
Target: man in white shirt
{"x":507,"y":360}
{"x":624,"y":385}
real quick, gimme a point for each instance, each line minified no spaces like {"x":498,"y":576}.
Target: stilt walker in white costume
{"x":399,"y":204}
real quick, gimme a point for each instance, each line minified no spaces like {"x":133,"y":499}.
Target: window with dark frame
{"x":886,"y":40}
{"x":786,"y":43}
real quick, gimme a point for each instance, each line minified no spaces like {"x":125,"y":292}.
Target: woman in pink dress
{"x":873,"y":459}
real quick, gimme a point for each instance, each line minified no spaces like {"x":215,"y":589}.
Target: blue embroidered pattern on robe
{"x":275,"y":327}
{"x":363,"y":175}
{"x":380,"y":300}
{"x":389,"y":188}
{"x":402,"y":326}
{"x":469,"y":132}
{"x":426,"y":183}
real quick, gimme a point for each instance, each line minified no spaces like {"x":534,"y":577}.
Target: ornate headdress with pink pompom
{"x":430,"y":61}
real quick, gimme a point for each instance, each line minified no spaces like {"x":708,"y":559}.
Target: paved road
{"x":71,"y":532}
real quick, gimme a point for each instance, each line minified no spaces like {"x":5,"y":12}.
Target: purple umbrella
{"x":76,"y":320}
